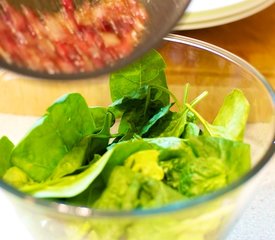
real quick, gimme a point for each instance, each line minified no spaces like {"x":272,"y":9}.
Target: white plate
{"x":209,"y":13}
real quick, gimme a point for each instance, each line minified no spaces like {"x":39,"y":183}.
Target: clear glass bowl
{"x":205,"y":67}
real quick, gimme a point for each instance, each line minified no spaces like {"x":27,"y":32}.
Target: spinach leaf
{"x":173,"y":124}
{"x":204,"y":164}
{"x":148,"y":70}
{"x":88,"y":197}
{"x":66,"y":122}
{"x":99,"y":116}
{"x":233,"y":114}
{"x":162,"y":112}
{"x":100,"y":140}
{"x":6,"y":147}
{"x":202,"y":175}
{"x":68,"y":186}
{"x":231,"y":119}
{"x":145,"y":162}
{"x":138,"y":93}
{"x":137,"y":110}
{"x":84,"y":151}
{"x":16,"y":177}
{"x":121,"y":151}
{"x":128,"y":190}
{"x":191,"y":129}
{"x":121,"y":105}
{"x":72,"y":160}
{"x":235,"y":154}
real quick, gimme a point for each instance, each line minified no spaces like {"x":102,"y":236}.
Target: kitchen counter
{"x":253,"y":40}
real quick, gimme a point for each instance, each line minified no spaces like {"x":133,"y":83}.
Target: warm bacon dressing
{"x":72,"y":40}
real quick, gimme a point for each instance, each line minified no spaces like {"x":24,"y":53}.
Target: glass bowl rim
{"x":86,"y":212}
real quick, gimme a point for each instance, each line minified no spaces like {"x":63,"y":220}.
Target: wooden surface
{"x":252,"y":39}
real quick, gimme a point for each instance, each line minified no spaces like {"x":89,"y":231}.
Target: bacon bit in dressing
{"x":71,"y":40}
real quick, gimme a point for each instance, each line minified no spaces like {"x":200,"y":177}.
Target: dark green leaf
{"x":172,"y":125}
{"x":137,"y":110}
{"x":99,"y":117}
{"x":148,"y":70}
{"x":100,"y":140}
{"x":162,"y":112}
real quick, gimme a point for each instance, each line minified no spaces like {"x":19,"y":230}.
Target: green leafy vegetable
{"x":139,"y":92}
{"x":90,"y":195}
{"x":16,"y":177}
{"x":174,"y":123}
{"x":233,"y":114}
{"x":66,"y":122}
{"x":191,"y":129}
{"x":145,"y":162}
{"x":6,"y":147}
{"x":137,"y":110}
{"x":99,"y":141}
{"x":162,"y":112}
{"x":72,"y":160}
{"x":158,"y":154}
{"x":129,"y":190}
{"x":99,"y":116}
{"x":204,"y":164}
{"x":231,"y":119}
{"x":70,"y":185}
{"x":121,"y":151}
{"x":148,"y":70}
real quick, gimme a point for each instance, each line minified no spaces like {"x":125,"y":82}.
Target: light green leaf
{"x":66,"y":122}
{"x":231,"y":119}
{"x":200,"y":165}
{"x":68,"y":186}
{"x":73,"y":160}
{"x":128,"y":190}
{"x":121,"y":151}
{"x":16,"y":177}
{"x":6,"y":147}
{"x":233,"y":114}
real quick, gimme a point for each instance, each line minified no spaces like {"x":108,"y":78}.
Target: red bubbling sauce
{"x":72,"y":40}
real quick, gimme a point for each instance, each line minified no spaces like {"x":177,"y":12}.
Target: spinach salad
{"x":137,"y":153}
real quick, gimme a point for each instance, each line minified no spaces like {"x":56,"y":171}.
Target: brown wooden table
{"x":251,"y":38}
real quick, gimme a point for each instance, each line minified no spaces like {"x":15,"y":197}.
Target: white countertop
{"x":258,"y":220}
